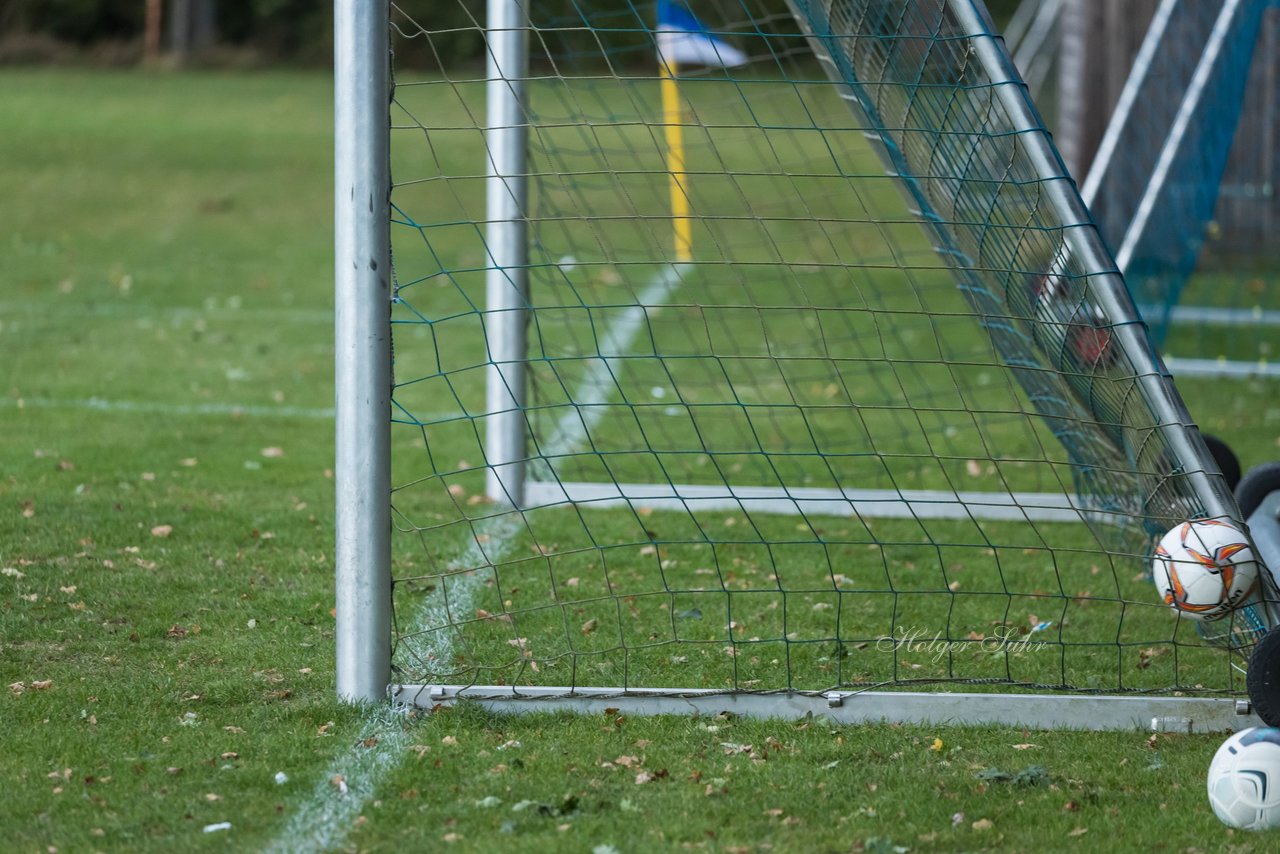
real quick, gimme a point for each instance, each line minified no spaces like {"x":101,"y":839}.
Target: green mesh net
{"x":822,"y":380}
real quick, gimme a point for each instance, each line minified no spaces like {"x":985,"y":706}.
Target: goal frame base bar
{"x":1030,"y":711}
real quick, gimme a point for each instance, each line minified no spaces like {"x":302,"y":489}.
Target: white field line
{"x":1212,"y":316}
{"x":122,"y":308}
{"x":322,"y":821}
{"x":1220,"y":368}
{"x":98,"y":404}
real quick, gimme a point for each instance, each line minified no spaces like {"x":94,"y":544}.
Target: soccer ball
{"x":1204,"y":569}
{"x":1244,"y":780}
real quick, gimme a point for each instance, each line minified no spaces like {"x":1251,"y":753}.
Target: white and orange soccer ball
{"x":1204,"y":569}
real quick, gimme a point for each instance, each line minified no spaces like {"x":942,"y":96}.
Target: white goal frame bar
{"x":1033,"y":711}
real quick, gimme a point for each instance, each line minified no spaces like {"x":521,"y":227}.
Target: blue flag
{"x":684,"y":40}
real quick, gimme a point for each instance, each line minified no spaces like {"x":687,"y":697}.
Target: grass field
{"x":166,"y":535}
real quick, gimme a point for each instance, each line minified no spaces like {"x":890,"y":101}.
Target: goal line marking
{"x":323,"y":820}
{"x":98,"y":404}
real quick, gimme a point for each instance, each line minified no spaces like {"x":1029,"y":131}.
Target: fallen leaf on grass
{"x":590,"y":626}
{"x":983,"y":824}
{"x":42,"y":685}
{"x":1079,"y":831}
{"x":272,"y":452}
{"x":162,"y":530}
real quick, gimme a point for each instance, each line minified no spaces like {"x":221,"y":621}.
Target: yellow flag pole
{"x":673,"y":128}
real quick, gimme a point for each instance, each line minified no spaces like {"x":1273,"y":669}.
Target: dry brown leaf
{"x":272,"y":452}
{"x":983,"y":824}
{"x":590,"y":626}
{"x":162,"y":530}
{"x":1079,"y":831}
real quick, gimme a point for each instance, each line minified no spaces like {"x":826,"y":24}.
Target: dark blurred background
{"x":230,"y":33}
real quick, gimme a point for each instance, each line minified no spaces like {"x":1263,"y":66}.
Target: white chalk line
{"x":322,"y":822}
{"x":53,"y":312}
{"x":98,"y":404}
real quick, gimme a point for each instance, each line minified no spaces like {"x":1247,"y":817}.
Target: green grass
{"x":167,"y":241}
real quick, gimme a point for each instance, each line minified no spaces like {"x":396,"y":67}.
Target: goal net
{"x":764,"y":346}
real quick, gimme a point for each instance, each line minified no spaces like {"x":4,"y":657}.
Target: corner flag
{"x":684,"y":40}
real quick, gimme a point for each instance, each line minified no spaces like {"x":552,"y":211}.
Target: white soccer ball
{"x":1244,"y":780}
{"x":1204,"y":569}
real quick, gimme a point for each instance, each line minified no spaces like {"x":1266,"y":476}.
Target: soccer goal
{"x":751,"y":356}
